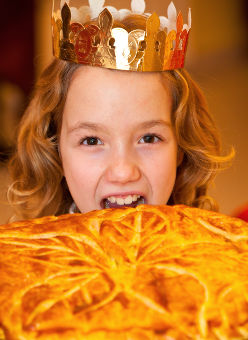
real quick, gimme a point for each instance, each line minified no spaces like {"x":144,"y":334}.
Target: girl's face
{"x":117,"y":144}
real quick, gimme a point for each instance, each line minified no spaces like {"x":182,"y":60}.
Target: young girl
{"x":95,"y":138}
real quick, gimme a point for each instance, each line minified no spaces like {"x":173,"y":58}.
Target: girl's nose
{"x":123,"y":170}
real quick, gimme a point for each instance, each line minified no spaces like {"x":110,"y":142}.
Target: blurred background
{"x":217,"y":59}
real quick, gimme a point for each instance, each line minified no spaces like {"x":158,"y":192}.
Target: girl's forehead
{"x":98,"y":84}
{"x":116,"y":99}
{"x":107,"y":93}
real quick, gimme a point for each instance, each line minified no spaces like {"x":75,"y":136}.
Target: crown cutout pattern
{"x":102,"y":36}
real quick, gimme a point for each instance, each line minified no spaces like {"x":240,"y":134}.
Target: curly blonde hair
{"x":39,"y":188}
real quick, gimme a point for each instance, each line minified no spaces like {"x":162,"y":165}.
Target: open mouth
{"x":131,"y":201}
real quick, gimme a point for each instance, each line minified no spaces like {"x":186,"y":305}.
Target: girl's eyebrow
{"x":153,"y":123}
{"x":100,"y":127}
{"x":87,"y":126}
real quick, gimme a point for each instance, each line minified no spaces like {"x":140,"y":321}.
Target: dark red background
{"x":17,"y":42}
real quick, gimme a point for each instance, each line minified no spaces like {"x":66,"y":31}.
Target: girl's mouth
{"x":131,"y":201}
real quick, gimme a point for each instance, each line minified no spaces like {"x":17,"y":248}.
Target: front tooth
{"x":135,"y":198}
{"x":128,"y":200}
{"x":112,"y":199}
{"x":120,"y":201}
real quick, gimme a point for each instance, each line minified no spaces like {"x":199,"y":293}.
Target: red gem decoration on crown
{"x":101,"y":36}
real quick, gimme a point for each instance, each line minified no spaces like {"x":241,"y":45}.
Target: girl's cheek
{"x":87,"y":161}
{"x":155,"y":154}
{"x":159,"y":164}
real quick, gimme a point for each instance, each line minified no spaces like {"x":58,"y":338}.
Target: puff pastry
{"x":145,"y":273}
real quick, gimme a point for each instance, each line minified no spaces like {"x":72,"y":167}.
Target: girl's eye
{"x":90,"y":141}
{"x":150,"y":139}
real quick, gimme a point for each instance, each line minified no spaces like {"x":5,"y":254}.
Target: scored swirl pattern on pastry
{"x":153,"y":272}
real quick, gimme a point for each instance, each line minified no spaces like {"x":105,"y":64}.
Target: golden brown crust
{"x":154,"y":272}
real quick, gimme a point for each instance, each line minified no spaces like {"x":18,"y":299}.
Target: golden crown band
{"x":137,"y":42}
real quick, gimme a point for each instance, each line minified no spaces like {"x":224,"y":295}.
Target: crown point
{"x":96,"y":3}
{"x":180,"y":22}
{"x":105,"y":20}
{"x":164,"y":22}
{"x":153,"y":22}
{"x":114,"y":12}
{"x":96,"y":7}
{"x":138,"y":6}
{"x":172,"y":12}
{"x":75,"y":14}
{"x":84,"y":14}
{"x":189,"y":18}
{"x":63,"y":2}
{"x":123,"y":13}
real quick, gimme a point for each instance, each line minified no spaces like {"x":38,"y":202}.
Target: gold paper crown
{"x":124,"y":40}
